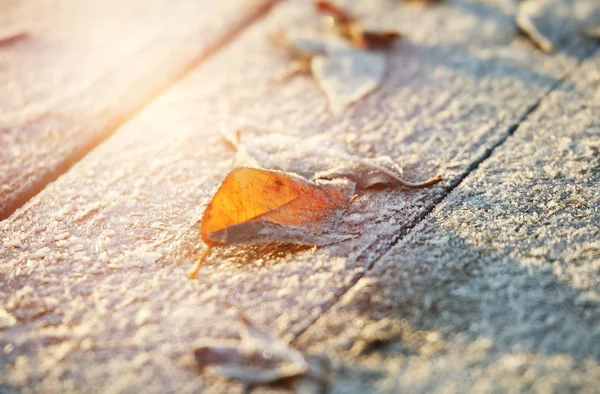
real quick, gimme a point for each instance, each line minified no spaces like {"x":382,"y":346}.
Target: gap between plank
{"x":65,"y":165}
{"x":471,"y":168}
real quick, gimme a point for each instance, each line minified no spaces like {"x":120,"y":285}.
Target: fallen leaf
{"x":348,"y":27}
{"x":345,"y":74}
{"x":340,"y":62}
{"x":252,"y":197}
{"x":260,"y":358}
{"x":527,"y":13}
{"x":256,"y":358}
{"x":254,"y":206}
{"x":347,"y":77}
{"x":315,"y":157}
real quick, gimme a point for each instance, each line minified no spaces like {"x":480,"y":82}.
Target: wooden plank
{"x":73,"y":71}
{"x":93,"y":267}
{"x":497,"y":289}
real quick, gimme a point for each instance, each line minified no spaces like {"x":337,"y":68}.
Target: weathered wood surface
{"x":93,"y":267}
{"x":498,"y":288}
{"x":75,"y":70}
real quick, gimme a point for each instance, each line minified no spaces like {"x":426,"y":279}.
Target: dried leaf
{"x":341,"y":68}
{"x":252,"y":198}
{"x":257,"y":358}
{"x":347,"y":77}
{"x":315,"y":157}
{"x":348,"y":27}
{"x":255,"y":205}
{"x":527,"y":13}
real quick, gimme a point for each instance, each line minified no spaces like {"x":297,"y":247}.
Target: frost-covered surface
{"x":499,"y":288}
{"x":81,"y":68}
{"x":344,"y":73}
{"x":93,"y":289}
{"x":347,"y":77}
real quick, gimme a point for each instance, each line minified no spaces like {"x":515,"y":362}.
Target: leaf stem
{"x":193,"y":273}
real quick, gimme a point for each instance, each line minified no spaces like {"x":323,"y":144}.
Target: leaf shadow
{"x":189,"y":246}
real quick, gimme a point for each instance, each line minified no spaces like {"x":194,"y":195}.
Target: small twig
{"x":421,"y":185}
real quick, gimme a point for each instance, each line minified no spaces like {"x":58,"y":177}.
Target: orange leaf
{"x":255,"y":205}
{"x":348,"y":27}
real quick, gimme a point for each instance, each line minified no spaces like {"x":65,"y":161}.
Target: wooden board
{"x":73,"y":71}
{"x":93,"y":267}
{"x":498,"y":288}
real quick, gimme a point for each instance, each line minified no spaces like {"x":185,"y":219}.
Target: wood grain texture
{"x":75,"y":70}
{"x":94,"y":266}
{"x":498,"y":288}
